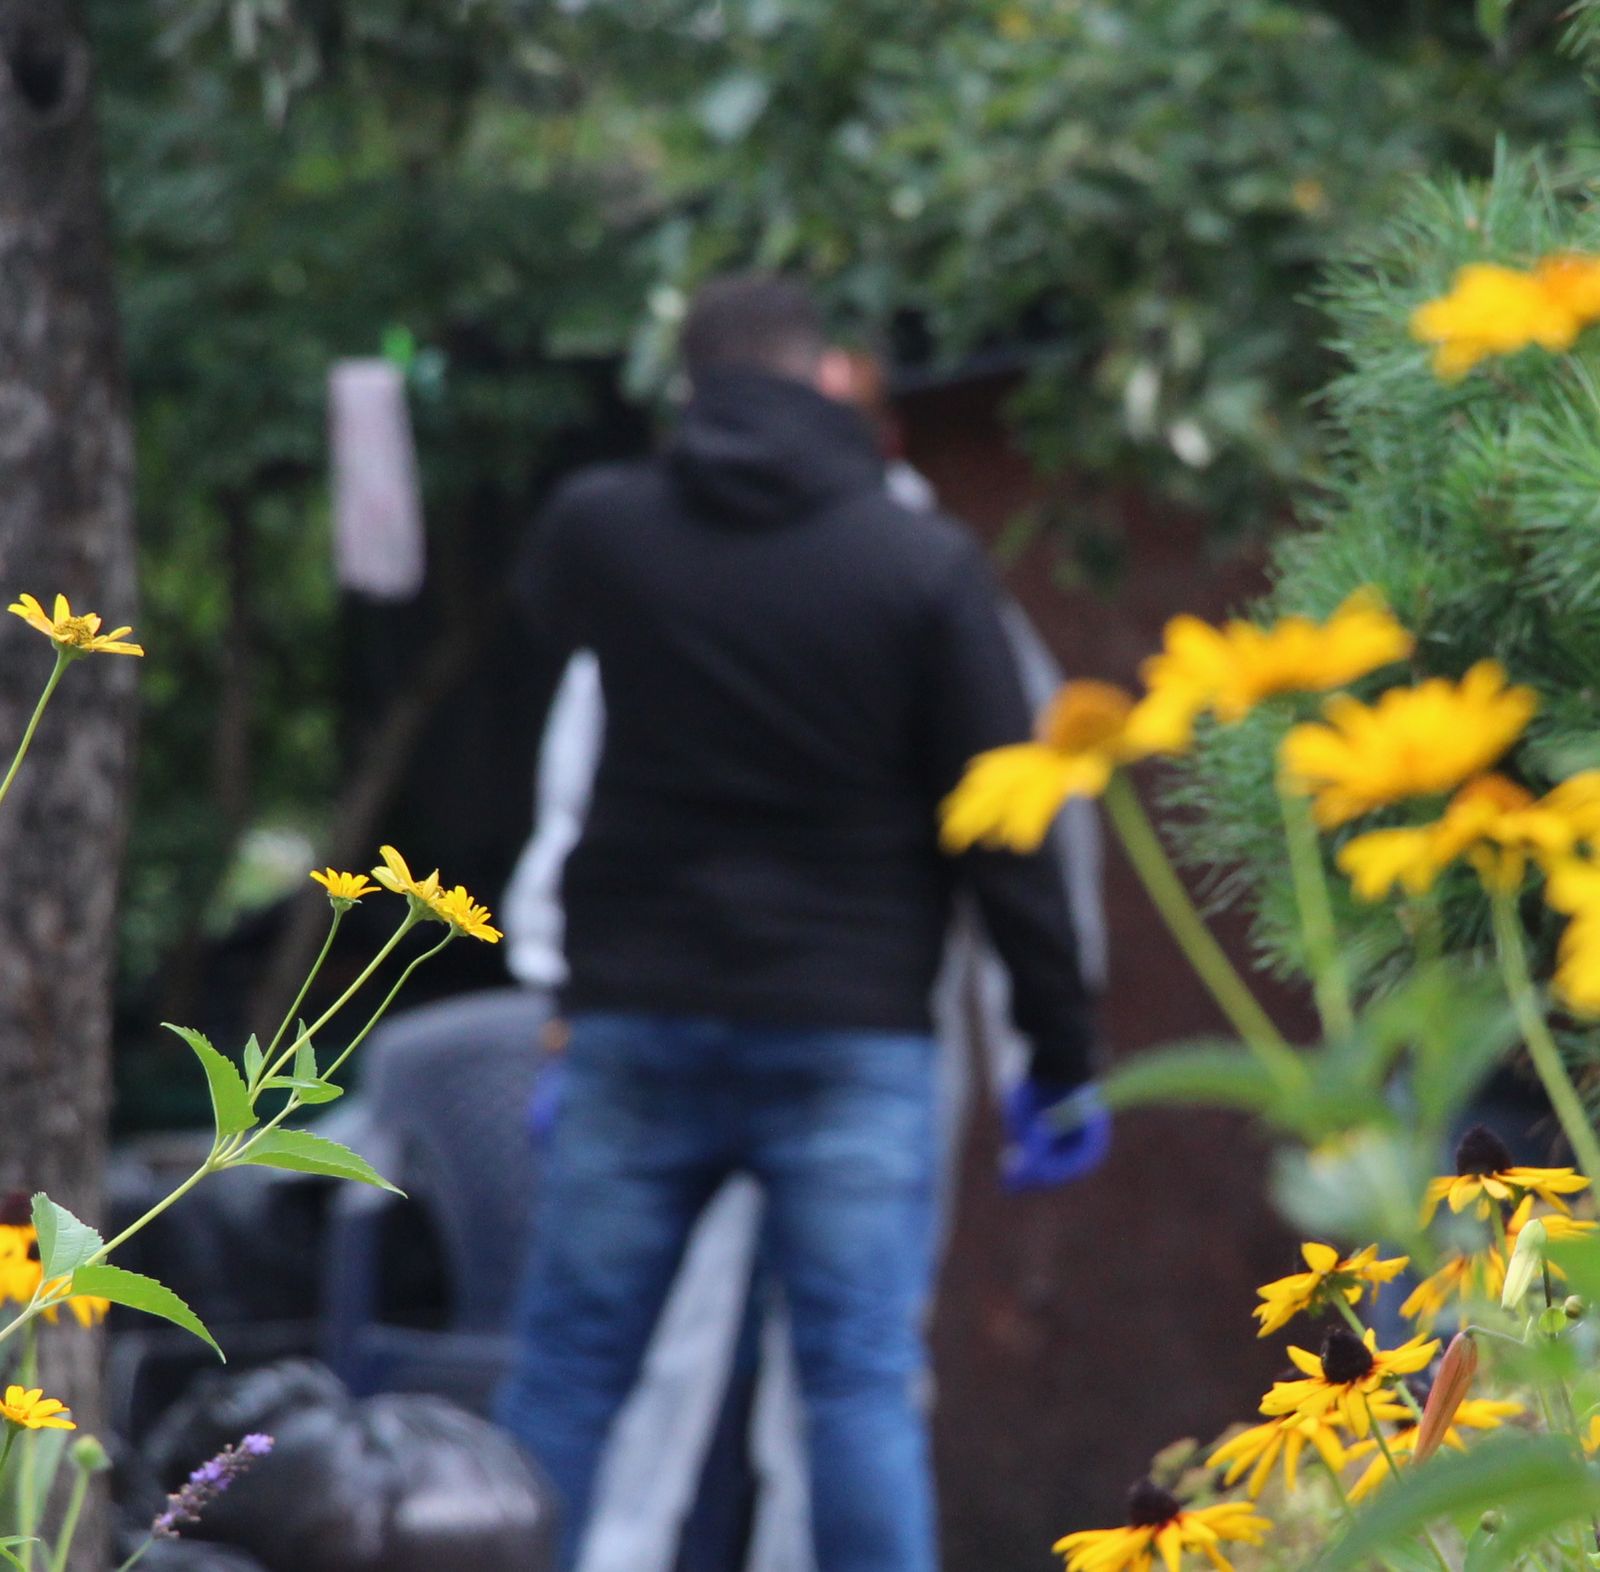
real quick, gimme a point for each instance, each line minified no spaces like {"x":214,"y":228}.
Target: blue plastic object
{"x":1053,"y":1135}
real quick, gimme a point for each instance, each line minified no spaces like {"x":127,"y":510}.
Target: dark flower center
{"x":1149,"y":1506}
{"x":16,"y":1210}
{"x":1482,"y":1152}
{"x":1345,"y":1358}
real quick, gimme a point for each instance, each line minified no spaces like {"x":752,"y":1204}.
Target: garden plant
{"x":52,"y":1261}
{"x":1394,"y":765}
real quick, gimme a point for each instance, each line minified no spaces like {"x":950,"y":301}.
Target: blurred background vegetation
{"x":1129,"y":203}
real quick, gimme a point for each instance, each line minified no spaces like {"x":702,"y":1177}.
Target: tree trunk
{"x":66,"y":524}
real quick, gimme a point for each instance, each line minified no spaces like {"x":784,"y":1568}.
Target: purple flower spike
{"x":208,"y":1482}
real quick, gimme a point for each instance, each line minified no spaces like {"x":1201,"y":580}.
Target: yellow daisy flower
{"x":1485,"y":1174}
{"x":395,"y":875}
{"x":19,"y":1251}
{"x":87,"y":1309}
{"x":74,"y":635}
{"x":1574,"y":282}
{"x":465,"y":915}
{"x":1160,"y":1525}
{"x":1493,"y":821}
{"x":1413,"y":742}
{"x":1574,"y":888}
{"x":1261,"y":1446}
{"x":347,"y":887}
{"x":1464,"y":1276}
{"x":1348,"y":1372}
{"x":1327,"y":1278}
{"x":32,"y":1410}
{"x":1475,"y":1413}
{"x":1010,"y":796}
{"x":1493,"y":310}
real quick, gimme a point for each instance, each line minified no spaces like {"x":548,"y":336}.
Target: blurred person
{"x":795,"y":669}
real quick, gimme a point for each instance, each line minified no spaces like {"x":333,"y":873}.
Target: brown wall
{"x":1079,"y":1332}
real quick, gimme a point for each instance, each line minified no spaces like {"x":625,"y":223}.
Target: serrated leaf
{"x":65,"y":1242}
{"x":305,"y":1062}
{"x":138,"y":1292}
{"x":310,"y":1091}
{"x":303,"y":1152}
{"x":254,"y":1058}
{"x":230,"y":1097}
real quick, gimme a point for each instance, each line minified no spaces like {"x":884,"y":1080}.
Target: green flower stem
{"x":377,"y":1015}
{"x":27,"y":1523}
{"x":1394,"y":1468}
{"x":305,"y":987}
{"x":1330,"y":986}
{"x":63,"y":660}
{"x":1204,"y":954}
{"x":209,"y":1166}
{"x":137,"y":1556}
{"x":69,"y":1523}
{"x":11,"y":1441}
{"x":1540,"y":1044}
{"x":412,"y":918}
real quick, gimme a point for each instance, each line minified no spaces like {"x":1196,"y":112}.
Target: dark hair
{"x":758,"y":321}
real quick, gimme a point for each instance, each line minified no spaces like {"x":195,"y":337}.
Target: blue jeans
{"x":839,"y":1128}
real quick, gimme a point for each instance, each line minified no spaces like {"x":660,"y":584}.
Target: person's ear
{"x":835,"y":376}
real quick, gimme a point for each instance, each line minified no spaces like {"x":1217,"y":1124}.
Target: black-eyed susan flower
{"x":344,"y":889}
{"x":1412,"y":742}
{"x":1260,"y":1447}
{"x":1231,"y":669}
{"x":1574,"y":888}
{"x":1160,"y":1525}
{"x":19,"y":1250}
{"x":1344,"y":1376}
{"x":1464,"y":1276}
{"x":73,"y":635}
{"x":1327,"y":1277}
{"x":32,"y":1410}
{"x":1486,"y":1174}
{"x":464,"y":914}
{"x":1010,"y":796}
{"x":1475,"y":1413}
{"x":395,"y":875}
{"x":1494,"y":310}
{"x":1493,"y":822}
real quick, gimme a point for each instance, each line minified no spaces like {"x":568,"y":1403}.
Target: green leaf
{"x":230,"y":1097}
{"x":254,"y":1058}
{"x":1217,"y":1074}
{"x":310,"y":1091}
{"x":1534,"y":1479}
{"x":65,"y":1242}
{"x":12,"y":1540}
{"x":141,"y":1293}
{"x":306,"y":1153}
{"x":305,"y":1062}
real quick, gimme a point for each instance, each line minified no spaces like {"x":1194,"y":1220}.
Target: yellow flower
{"x":1573,"y":282}
{"x":1494,"y":310}
{"x":1010,"y":796}
{"x":19,"y":1263}
{"x":1480,"y":1274}
{"x":1233,"y":668}
{"x":1160,"y":1525}
{"x":464,"y":914}
{"x":1491,"y":820}
{"x":32,"y":1410}
{"x":348,"y":887}
{"x":1574,"y":887}
{"x":1413,"y":742}
{"x":1485,"y":1174}
{"x":396,"y":876}
{"x":1328,"y":1278}
{"x":1309,"y":195}
{"x":74,"y":635}
{"x":1349,"y":1371}
{"x":1591,"y":1435}
{"x":87,"y":1309}
{"x":1261,"y":1446}
{"x":1475,"y":1413}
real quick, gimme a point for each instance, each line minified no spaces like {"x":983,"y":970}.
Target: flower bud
{"x":1574,"y":1307}
{"x":1492,"y":1521}
{"x":1526,"y":1259}
{"x":88,"y":1455}
{"x":1456,"y":1370}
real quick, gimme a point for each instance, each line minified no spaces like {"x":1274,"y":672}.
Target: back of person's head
{"x":753,"y":322}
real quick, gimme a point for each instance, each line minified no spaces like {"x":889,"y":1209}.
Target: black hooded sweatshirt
{"x":796,"y":669}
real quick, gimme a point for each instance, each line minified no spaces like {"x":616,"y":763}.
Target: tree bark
{"x":66,"y":524}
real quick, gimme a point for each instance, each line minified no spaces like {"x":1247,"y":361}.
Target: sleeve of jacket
{"x":977,"y":702}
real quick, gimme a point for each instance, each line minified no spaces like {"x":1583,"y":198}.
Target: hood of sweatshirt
{"x":759,"y":450}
